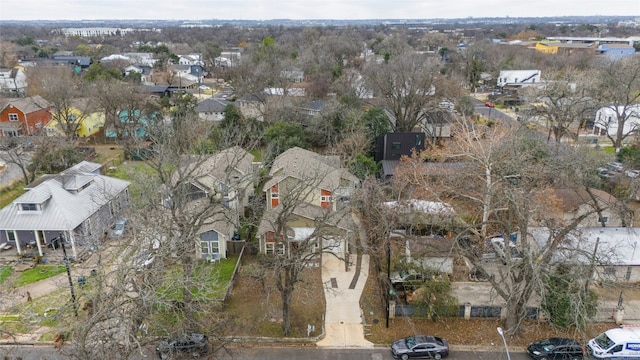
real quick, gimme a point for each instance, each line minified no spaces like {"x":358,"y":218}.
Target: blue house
{"x":132,"y":123}
{"x":616,"y":51}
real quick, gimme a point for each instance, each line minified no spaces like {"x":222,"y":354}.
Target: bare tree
{"x":564,"y":103}
{"x":618,"y":89}
{"x":63,"y":89}
{"x":407,"y":85}
{"x":291,"y":251}
{"x":502,"y":185}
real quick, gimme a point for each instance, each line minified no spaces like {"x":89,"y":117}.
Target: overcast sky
{"x":306,"y":9}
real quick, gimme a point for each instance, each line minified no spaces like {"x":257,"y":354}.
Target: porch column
{"x":69,"y":235}
{"x":15,"y":234}
{"x":38,"y":243}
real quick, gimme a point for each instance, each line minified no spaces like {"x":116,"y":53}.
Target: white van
{"x":621,"y":343}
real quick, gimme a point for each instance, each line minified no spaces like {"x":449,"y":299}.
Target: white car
{"x":143,"y":261}
{"x":499,"y":247}
{"x":615,"y":166}
{"x":632,"y":173}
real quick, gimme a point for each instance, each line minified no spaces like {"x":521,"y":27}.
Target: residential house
{"x":616,"y":51}
{"x":314,"y":107}
{"x":140,"y":59}
{"x":312,"y":188}
{"x":611,"y":251}
{"x":187,"y":75}
{"x":228,"y":175}
{"x":518,"y":78}
{"x":82,"y":61}
{"x":422,"y":217}
{"x":91,"y":120}
{"x":132,"y":124}
{"x":437,"y":124}
{"x":24,"y":116}
{"x":212,"y":109}
{"x":606,"y":121}
{"x":576,"y":202}
{"x":294,"y":75}
{"x":143,"y":70}
{"x":79,"y":203}
{"x":190,"y":59}
{"x":252,"y":105}
{"x":392,"y":146}
{"x":228,"y":59}
{"x":13,"y":81}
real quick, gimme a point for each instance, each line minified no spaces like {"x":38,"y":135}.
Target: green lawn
{"x":38,"y":273}
{"x":5,"y":272}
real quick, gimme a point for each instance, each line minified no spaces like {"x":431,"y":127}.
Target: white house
{"x":190,"y":59}
{"x":606,"y":121}
{"x":78,"y":203}
{"x":13,"y":80}
{"x":518,"y":78}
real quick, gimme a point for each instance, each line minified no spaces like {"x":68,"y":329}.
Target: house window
{"x":11,"y":236}
{"x":603,"y":219}
{"x":395,"y":145}
{"x":13,"y":117}
{"x":209,"y":242}
{"x":326,"y":198}
{"x":274,"y":248}
{"x":29,"y":207}
{"x":418,"y":140}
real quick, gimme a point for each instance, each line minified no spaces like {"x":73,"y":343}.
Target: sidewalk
{"x":343,"y":319}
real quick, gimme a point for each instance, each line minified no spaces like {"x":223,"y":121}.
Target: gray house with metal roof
{"x":78,"y":203}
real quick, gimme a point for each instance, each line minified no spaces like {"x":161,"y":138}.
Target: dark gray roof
{"x":212,"y":105}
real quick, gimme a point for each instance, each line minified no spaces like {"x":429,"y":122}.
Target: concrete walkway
{"x":343,"y":321}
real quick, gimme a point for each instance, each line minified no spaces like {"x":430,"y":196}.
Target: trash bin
{"x":82,"y":281}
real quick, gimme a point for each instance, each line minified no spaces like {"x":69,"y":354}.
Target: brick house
{"x":24,"y":116}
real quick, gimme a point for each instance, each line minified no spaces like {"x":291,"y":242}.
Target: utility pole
{"x":388,"y":279}
{"x":66,"y":262}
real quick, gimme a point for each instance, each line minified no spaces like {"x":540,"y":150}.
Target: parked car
{"x":632,"y":173}
{"x":420,"y":346}
{"x":615,"y":166}
{"x":119,"y":229}
{"x":193,"y":344}
{"x":603,"y":172}
{"x":499,"y":246}
{"x":556,"y":348}
{"x":143,"y":261}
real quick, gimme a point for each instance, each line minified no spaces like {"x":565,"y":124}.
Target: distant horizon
{"x":307,"y":10}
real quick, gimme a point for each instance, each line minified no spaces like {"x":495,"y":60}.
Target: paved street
{"x":266,"y":353}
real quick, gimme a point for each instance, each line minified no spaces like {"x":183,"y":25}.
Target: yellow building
{"x":547,"y":47}
{"x":90,"y":123}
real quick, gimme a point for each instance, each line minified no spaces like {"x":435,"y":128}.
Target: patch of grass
{"x":38,"y":273}
{"x":5,"y":272}
{"x":11,"y":192}
{"x":255,"y":305}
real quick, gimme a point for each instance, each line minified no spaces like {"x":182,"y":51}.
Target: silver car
{"x":420,"y":347}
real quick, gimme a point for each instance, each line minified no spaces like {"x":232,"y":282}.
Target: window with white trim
{"x":13,"y":117}
{"x":271,"y":247}
{"x":209,"y":243}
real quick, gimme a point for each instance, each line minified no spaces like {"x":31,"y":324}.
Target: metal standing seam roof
{"x":63,"y":210}
{"x":616,"y":245}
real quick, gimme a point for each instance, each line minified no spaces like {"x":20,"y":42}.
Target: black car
{"x":556,"y":348}
{"x":194,"y":344}
{"x":420,"y":347}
